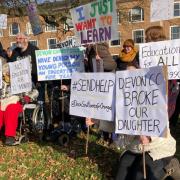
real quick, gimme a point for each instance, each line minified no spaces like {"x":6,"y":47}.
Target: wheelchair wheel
{"x":63,"y":139}
{"x":38,"y":119}
{"x":23,"y":139}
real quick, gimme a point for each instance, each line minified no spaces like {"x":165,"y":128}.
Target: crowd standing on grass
{"x":159,"y":152}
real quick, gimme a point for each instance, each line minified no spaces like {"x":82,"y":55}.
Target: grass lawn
{"x":49,"y":161}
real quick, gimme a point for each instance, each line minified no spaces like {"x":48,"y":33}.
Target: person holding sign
{"x":127,"y":55}
{"x":10,"y":107}
{"x":154,"y":34}
{"x":154,"y":154}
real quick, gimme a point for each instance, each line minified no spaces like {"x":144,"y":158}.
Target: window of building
{"x":119,"y":17}
{"x":29,"y":28}
{"x":138,"y":36}
{"x":14,"y":29}
{"x":68,"y":25}
{"x":50,"y":28}
{"x":13,"y":44}
{"x":52,"y":43}
{"x":137,"y":14}
{"x":115,"y":56}
{"x":175,"y":32}
{"x":177,"y":9}
{"x":1,"y":33}
{"x":34,"y":42}
{"x":116,"y":42}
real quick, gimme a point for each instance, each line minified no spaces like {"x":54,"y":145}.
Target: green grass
{"x":49,"y":161}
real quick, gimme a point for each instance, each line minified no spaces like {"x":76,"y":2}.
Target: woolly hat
{"x":129,"y":42}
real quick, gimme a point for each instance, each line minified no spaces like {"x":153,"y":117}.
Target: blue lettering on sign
{"x":80,"y":10}
{"x":44,"y":59}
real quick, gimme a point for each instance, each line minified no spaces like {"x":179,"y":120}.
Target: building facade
{"x":133,"y":19}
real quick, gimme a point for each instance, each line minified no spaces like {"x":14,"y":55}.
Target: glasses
{"x":20,"y":38}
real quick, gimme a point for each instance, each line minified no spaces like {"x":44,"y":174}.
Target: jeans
{"x":131,"y":167}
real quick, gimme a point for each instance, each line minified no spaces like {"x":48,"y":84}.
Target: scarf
{"x":128,"y":57}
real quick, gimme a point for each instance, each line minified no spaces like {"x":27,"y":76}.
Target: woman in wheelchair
{"x":10,"y":106}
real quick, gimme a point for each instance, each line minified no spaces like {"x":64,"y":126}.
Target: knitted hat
{"x":129,"y":42}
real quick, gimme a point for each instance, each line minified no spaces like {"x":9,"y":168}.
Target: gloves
{"x":26,"y":99}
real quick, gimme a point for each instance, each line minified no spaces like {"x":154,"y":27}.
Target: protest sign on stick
{"x":3,"y":21}
{"x":161,"y":53}
{"x":95,"y":22}
{"x":161,"y":10}
{"x":56,"y":64}
{"x":20,"y":76}
{"x":141,"y":102}
{"x":92,"y":95}
{"x":34,"y":19}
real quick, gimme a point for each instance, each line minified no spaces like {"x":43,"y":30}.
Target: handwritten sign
{"x":141,"y":102}
{"x":92,"y":95}
{"x":161,"y":53}
{"x":161,"y":10}
{"x":34,"y":19}
{"x":20,"y":75}
{"x":96,"y":21}
{"x":71,"y":42}
{"x":3,"y":21}
{"x":54,"y":64}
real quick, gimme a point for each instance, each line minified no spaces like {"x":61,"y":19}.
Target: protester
{"x":10,"y":106}
{"x":23,"y":49}
{"x":128,"y":54}
{"x":100,"y":52}
{"x":159,"y":152}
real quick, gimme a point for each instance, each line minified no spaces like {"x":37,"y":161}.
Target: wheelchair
{"x":31,"y":122}
{"x":68,"y":125}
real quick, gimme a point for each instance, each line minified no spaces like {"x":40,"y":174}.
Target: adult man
{"x":25,"y":48}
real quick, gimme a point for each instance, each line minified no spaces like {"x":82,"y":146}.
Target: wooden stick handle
{"x":144,"y":163}
{"x":87,"y":140}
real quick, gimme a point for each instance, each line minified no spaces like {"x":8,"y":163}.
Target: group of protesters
{"x":159,"y":152}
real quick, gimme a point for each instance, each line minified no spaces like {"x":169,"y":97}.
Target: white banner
{"x":3,"y":21}
{"x":161,"y":53}
{"x":70,"y":42}
{"x":20,"y":76}
{"x":92,"y":95}
{"x":141,"y":102}
{"x":95,"y":22}
{"x":55,"y":64}
{"x":161,"y":10}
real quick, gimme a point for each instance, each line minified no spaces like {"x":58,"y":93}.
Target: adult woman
{"x":159,"y":152}
{"x":129,"y":54}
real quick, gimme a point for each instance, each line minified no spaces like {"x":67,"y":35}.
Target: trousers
{"x":9,"y":118}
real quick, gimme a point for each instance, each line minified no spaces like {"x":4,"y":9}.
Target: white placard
{"x":161,"y":10}
{"x":3,"y":21}
{"x":95,"y":22}
{"x":92,"y":95}
{"x":141,"y":102}
{"x":55,"y":64}
{"x":20,"y":76}
{"x":70,"y":42}
{"x":161,"y":53}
